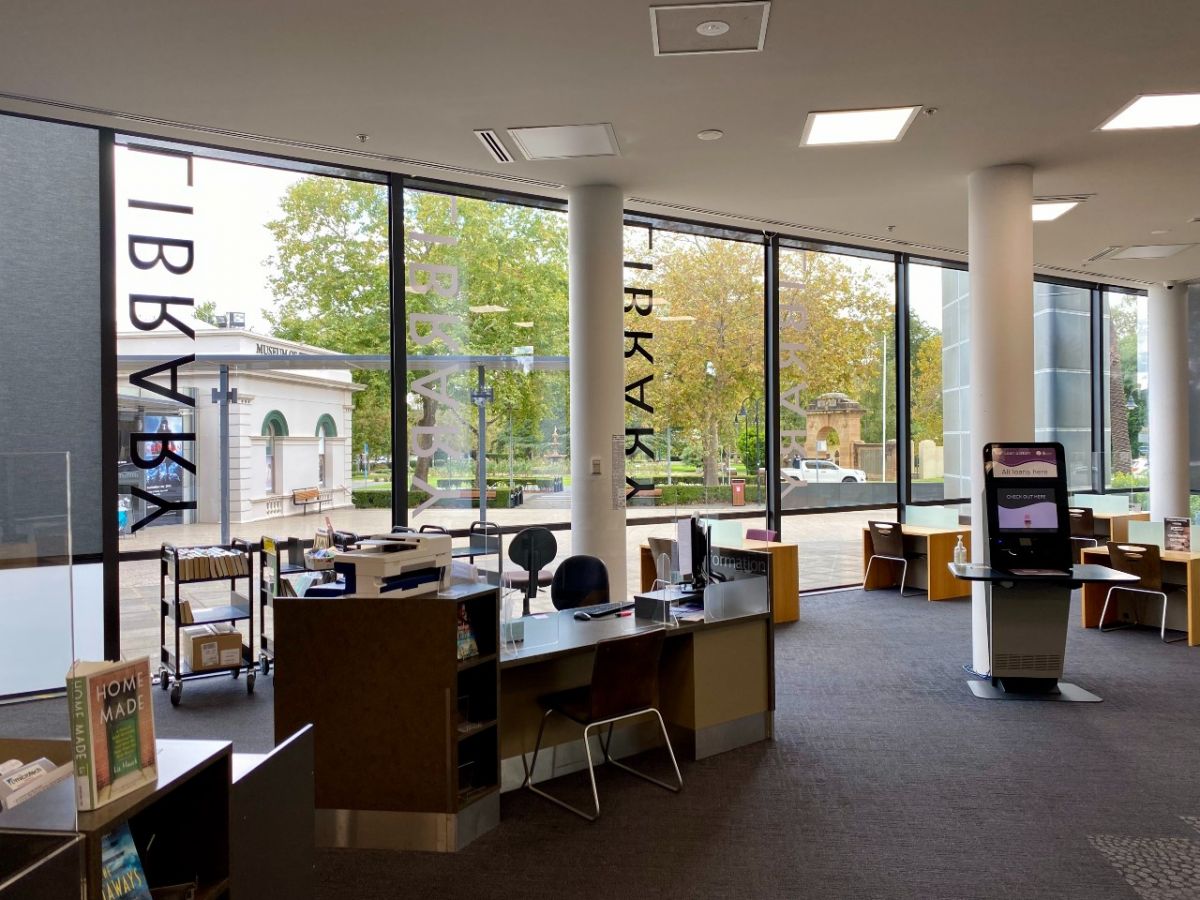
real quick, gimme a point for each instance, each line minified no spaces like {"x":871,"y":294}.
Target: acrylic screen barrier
{"x":1102,"y":503}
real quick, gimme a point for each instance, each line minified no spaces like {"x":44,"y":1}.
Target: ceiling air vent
{"x":738,"y":26}
{"x":491,"y":141}
{"x":1103,"y":254}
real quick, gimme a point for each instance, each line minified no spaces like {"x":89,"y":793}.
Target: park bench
{"x":644,"y":497}
{"x":305,"y":497}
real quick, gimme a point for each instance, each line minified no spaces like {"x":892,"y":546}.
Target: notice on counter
{"x":1177,"y":534}
{"x":618,"y":471}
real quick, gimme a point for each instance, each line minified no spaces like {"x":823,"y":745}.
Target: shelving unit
{"x":180,"y":825}
{"x":276,"y":558}
{"x":407,"y":739}
{"x":173,"y":672}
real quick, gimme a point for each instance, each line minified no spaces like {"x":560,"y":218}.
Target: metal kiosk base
{"x":1024,"y":617}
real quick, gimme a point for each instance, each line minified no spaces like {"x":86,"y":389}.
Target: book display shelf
{"x":404,"y":699}
{"x":180,"y":825}
{"x":285,"y":569}
{"x":184,"y":566}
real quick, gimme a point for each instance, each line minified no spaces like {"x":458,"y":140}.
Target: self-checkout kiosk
{"x":1027,"y":576}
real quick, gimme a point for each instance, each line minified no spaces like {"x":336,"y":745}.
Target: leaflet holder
{"x":1019,"y":619}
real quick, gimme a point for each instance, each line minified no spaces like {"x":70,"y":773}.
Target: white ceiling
{"x":1012,"y":80}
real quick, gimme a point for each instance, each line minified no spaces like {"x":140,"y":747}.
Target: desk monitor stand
{"x":1026,"y":599}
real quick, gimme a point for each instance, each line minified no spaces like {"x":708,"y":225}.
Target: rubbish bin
{"x":738,"y":487}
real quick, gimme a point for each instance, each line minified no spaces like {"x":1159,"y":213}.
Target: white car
{"x":823,"y":471}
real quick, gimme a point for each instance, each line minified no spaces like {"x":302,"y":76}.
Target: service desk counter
{"x":716,"y":690}
{"x":785,"y":576}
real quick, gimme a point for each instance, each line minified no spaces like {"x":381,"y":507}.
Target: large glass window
{"x":837,"y":380}
{"x":1125,"y":383}
{"x":488,"y":390}
{"x":1063,"y":375}
{"x":694,"y":411}
{"x":277,"y":281}
{"x":939,"y":381}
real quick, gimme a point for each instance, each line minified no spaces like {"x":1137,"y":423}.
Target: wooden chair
{"x":761,"y":534}
{"x":1083,"y":531}
{"x":887,"y":542}
{"x":624,"y":686}
{"x":1142,"y":560}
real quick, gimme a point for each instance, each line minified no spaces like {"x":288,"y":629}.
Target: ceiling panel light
{"x":714,"y":28}
{"x":857,"y":126}
{"x":487,"y":308}
{"x":566,"y":141}
{"x":1151,"y":251}
{"x":1156,"y":111}
{"x":1048,"y":212}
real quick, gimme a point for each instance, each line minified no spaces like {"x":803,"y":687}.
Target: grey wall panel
{"x":50,"y":318}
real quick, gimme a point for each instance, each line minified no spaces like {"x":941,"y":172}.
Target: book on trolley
{"x":112,"y":730}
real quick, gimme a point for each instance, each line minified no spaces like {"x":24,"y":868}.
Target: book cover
{"x":467,"y":645}
{"x":121,"y":874}
{"x":1177,"y":534}
{"x":112,"y":730}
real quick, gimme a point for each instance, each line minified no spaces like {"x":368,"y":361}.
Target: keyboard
{"x":603,"y":609}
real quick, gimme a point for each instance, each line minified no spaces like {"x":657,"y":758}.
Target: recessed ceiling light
{"x":487,"y":308}
{"x":858,"y":126}
{"x":1156,"y":111}
{"x":1048,"y":212}
{"x":710,"y":134}
{"x":1151,"y":251}
{"x":1161,"y":231}
{"x":714,"y":28}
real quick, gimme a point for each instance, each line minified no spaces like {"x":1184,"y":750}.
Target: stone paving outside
{"x":830,"y":551}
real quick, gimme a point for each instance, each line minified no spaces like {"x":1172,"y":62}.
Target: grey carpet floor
{"x":886,"y":779}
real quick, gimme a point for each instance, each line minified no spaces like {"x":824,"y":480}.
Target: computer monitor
{"x":1026,"y":498}
{"x":693,"y":540}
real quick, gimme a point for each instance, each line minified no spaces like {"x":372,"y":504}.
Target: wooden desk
{"x":1115,"y":526}
{"x":1177,"y":568}
{"x":937,"y":544}
{"x":785,"y":576}
{"x":716,"y":690}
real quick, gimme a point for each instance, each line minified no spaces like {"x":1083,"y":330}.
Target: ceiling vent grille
{"x":1103,"y":254}
{"x":491,"y":142}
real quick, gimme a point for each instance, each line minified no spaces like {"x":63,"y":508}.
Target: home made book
{"x":112,"y":729}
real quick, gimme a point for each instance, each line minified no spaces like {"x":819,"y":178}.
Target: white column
{"x":1168,"y":360}
{"x":1000,"y":260}
{"x":595,"y":220}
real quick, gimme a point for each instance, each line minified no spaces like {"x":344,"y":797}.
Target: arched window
{"x":325,"y":428}
{"x":274,"y":426}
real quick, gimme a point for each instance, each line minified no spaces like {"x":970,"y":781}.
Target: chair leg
{"x":587,"y":747}
{"x":678,"y":786}
{"x":1163,"y":633}
{"x":867,"y":574}
{"x":903,"y":575}
{"x":1104,"y":612}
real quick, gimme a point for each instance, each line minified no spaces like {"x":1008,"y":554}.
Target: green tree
{"x":329,"y":275}
{"x":206,"y":312}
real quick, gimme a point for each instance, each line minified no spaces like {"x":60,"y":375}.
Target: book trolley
{"x":278,"y":559}
{"x":175,"y":564}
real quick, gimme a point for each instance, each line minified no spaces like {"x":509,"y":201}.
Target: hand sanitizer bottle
{"x":960,"y":552}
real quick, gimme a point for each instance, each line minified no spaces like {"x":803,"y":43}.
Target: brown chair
{"x":624,"y":686}
{"x":1142,"y":560}
{"x":1083,"y":531}
{"x":761,"y":534}
{"x":887,"y":542}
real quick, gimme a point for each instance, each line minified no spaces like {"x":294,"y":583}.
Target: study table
{"x":785,"y":576}
{"x":716,"y":690}
{"x":1178,"y":568}
{"x":928,"y":570}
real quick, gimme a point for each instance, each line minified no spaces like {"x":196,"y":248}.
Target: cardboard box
{"x":216,"y":646}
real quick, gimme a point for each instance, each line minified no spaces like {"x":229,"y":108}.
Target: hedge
{"x":686,"y":494}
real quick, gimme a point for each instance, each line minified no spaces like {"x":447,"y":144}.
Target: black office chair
{"x":887,"y":542}
{"x":1083,"y":531}
{"x":624,"y":686}
{"x":579,"y":581}
{"x":531,"y":549}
